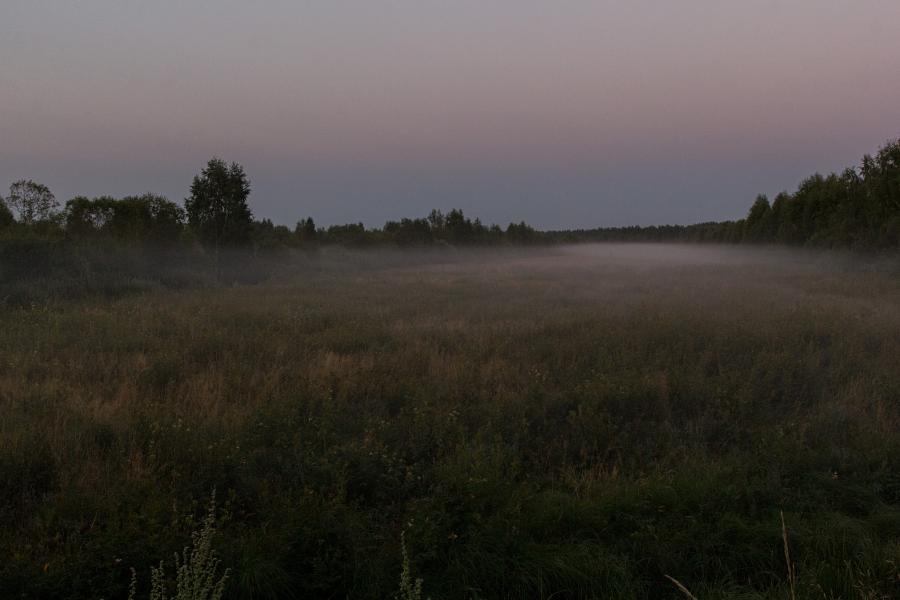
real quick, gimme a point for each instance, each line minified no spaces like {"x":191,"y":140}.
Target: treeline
{"x":712,"y":231}
{"x":112,"y":246}
{"x":858,"y":208}
{"x":453,"y":228}
{"x":217,"y":216}
{"x":153,"y":218}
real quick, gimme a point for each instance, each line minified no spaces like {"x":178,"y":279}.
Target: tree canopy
{"x":148,"y":217}
{"x":217,"y":209}
{"x":33,"y":202}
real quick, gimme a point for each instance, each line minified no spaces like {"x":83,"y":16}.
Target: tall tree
{"x":757,"y":221}
{"x":34,"y":202}
{"x":217,"y":209}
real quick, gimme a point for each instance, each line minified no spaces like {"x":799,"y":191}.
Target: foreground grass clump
{"x":575,"y":423}
{"x":196,"y":569}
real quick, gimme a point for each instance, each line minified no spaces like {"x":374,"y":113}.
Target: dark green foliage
{"x":458,"y":228}
{"x":267,"y":236}
{"x":410,"y":232}
{"x":146,"y":218}
{"x":521,"y":233}
{"x":6,"y":216}
{"x":453,"y":229}
{"x":306,"y":232}
{"x":217,"y":208}
{"x":351,"y":234}
{"x":758,"y":225}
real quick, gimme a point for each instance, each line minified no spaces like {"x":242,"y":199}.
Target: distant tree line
{"x":452,"y":228}
{"x":859,"y":208}
{"x":217,"y":216}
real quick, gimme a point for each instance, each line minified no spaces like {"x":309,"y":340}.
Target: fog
{"x":619,"y":274}
{"x":727,"y":283}
{"x":614,"y":256}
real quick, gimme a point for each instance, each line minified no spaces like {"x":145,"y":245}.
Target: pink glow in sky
{"x":565,"y":114}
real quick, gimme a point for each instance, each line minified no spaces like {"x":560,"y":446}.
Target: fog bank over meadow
{"x":699,"y":281}
{"x":628,"y":256}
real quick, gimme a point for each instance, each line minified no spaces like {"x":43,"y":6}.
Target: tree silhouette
{"x":217,"y":209}
{"x":305,"y":230}
{"x":34,"y":202}
{"x":758,"y":220}
{"x":148,"y":217}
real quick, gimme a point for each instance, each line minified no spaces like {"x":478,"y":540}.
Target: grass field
{"x":565,"y":423}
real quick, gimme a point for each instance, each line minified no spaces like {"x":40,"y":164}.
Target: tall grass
{"x":410,"y":586}
{"x":574,"y":425}
{"x":196,"y":569}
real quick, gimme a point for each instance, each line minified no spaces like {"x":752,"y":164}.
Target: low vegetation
{"x":566,"y":422}
{"x":197,"y":574}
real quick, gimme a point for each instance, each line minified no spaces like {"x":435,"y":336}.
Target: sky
{"x":563,"y":113}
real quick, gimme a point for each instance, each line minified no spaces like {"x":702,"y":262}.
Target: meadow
{"x":556,"y":422}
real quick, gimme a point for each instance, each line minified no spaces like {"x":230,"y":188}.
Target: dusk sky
{"x":564,"y":114}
